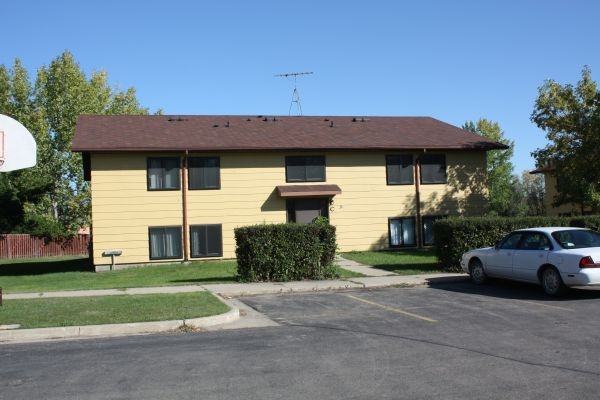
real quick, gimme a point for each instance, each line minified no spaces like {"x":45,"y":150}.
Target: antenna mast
{"x":295,"y":93}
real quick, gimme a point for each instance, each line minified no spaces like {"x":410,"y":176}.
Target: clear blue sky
{"x":456,"y":61}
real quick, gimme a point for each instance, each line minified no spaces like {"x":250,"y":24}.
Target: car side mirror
{"x":497,"y":245}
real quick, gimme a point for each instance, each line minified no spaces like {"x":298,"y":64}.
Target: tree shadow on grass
{"x":46,"y":267}
{"x":219,"y":279}
{"x":421,"y":268}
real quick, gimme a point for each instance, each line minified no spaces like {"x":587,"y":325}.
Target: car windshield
{"x":577,"y":239}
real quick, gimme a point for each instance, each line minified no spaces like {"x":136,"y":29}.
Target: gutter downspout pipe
{"x":184,"y":173}
{"x":418,"y":199}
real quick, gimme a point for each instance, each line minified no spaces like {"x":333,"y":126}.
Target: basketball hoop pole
{"x":1,"y":148}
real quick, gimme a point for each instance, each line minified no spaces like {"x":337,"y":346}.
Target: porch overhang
{"x":286,"y":191}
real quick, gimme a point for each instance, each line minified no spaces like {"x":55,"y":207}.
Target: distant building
{"x":550,"y":192}
{"x":173,"y":188}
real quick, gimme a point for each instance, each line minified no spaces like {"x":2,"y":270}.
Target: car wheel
{"x":476,"y":271}
{"x":552,"y":282}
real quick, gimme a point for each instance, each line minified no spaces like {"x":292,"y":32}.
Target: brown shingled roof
{"x":229,"y":133}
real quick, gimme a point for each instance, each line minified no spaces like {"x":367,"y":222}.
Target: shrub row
{"x":454,"y":236}
{"x":285,"y":252}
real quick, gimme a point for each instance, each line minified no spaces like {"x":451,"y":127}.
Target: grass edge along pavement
{"x":30,"y":276}
{"x":397,"y":257}
{"x":400,"y":262}
{"x":101,"y":310}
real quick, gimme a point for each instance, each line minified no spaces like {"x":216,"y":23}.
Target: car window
{"x":577,"y":239}
{"x":511,"y":241}
{"x":534,"y":241}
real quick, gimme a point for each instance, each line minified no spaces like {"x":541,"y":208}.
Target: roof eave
{"x":486,"y":147}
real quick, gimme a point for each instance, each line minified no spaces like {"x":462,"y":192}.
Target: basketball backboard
{"x":17,"y":146}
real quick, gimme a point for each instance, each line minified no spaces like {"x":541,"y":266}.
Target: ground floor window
{"x":402,"y":232}
{"x":206,"y":240}
{"x":427,"y":222}
{"x":304,"y":210}
{"x":165,"y":242}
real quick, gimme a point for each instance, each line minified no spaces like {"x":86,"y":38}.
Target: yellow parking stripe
{"x":396,"y":310}
{"x":546,"y":305}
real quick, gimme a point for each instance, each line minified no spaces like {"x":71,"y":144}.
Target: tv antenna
{"x":295,"y":93}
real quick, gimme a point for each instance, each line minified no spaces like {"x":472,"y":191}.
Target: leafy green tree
{"x":20,"y":190}
{"x":570,"y":116}
{"x":533,"y":191}
{"x":53,"y":197}
{"x":505,"y":198}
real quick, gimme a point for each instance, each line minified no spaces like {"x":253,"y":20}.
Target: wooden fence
{"x":27,"y":246}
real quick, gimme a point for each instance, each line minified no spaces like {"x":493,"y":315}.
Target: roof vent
{"x":265,"y":119}
{"x":354,"y":119}
{"x":215,"y":125}
{"x":178,"y":119}
{"x":227,"y":124}
{"x":331,"y":124}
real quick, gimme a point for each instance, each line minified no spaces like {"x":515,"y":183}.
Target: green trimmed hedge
{"x":285,"y":252}
{"x":455,"y":236}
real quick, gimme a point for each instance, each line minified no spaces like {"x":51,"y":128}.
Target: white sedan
{"x":555,"y":258}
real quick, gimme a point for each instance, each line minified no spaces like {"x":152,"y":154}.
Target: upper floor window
{"x":433,"y":168}
{"x":163,"y":173}
{"x":399,"y":169}
{"x":204,"y":173}
{"x":305,"y":168}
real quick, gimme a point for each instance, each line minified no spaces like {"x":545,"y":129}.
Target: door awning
{"x":308,"y":190}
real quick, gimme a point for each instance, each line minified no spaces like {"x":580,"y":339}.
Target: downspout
{"x":184,"y":174}
{"x":418,"y":228}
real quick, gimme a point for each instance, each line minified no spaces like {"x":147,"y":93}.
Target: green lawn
{"x":76,"y":273}
{"x":42,"y":275}
{"x":77,"y":311}
{"x":402,"y":262}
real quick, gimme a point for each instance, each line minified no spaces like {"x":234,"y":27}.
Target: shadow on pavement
{"x":422,"y":268}
{"x":510,"y":290}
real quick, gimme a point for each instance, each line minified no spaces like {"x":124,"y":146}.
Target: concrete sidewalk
{"x":239,"y":316}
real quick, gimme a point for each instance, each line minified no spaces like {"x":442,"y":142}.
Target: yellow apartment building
{"x":174,"y":188}
{"x":551,"y":192}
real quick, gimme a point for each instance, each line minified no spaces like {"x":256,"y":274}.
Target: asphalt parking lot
{"x":509,"y":337}
{"x":447,"y":341}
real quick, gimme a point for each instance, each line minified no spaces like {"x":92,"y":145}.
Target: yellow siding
{"x":362,"y":211}
{"x":464,"y":193}
{"x":123,"y":208}
{"x":550,"y":194}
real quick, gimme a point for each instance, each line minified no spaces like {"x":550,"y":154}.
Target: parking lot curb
{"x":13,"y":334}
{"x":112,"y":330}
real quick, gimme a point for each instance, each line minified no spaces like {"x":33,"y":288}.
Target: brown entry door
{"x":304,"y":210}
